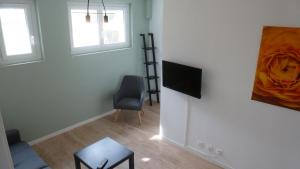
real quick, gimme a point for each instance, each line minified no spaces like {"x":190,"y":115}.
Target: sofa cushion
{"x":24,"y":157}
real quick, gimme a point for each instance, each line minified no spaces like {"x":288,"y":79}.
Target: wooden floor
{"x":150,"y":151}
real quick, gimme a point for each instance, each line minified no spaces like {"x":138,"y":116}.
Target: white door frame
{"x":5,"y":157}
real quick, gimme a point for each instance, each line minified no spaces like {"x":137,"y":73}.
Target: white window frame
{"x":33,"y":27}
{"x":101,"y":47}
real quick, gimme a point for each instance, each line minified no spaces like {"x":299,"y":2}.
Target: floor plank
{"x":150,"y":152}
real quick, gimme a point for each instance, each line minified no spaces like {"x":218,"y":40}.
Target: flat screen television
{"x":182,"y":78}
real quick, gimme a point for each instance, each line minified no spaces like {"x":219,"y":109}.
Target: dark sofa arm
{"x":13,"y":136}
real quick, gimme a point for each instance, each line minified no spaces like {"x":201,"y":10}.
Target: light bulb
{"x":88,"y":18}
{"x":105,"y":18}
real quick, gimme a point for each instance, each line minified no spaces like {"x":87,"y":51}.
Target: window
{"x":95,"y":36}
{"x":19,"y":38}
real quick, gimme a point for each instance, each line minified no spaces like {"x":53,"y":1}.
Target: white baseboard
{"x":36,"y":141}
{"x":173,"y":142}
{"x":208,"y":158}
{"x":199,"y":153}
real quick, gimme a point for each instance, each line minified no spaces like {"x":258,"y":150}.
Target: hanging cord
{"x":88,"y":7}
{"x":88,"y":17}
{"x":104,"y":7}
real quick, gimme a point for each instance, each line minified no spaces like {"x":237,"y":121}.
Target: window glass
{"x":114,"y":30}
{"x":84,"y":33}
{"x":15,"y":32}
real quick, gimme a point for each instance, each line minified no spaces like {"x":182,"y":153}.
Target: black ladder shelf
{"x":149,"y":63}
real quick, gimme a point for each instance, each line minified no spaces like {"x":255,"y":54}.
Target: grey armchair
{"x":130,"y":96}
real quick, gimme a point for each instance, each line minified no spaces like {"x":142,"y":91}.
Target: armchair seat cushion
{"x":129,"y":104}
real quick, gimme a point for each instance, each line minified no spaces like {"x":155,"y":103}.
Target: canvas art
{"x":277,"y":79}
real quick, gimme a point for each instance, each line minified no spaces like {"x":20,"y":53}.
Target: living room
{"x":60,"y":99}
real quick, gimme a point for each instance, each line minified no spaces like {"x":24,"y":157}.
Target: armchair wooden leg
{"x":117,"y":113}
{"x":140,"y":117}
{"x":143,"y":113}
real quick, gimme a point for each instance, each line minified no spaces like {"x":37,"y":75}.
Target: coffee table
{"x":92,"y":155}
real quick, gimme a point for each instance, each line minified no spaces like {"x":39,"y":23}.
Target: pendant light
{"x":105,"y":16}
{"x":88,"y":17}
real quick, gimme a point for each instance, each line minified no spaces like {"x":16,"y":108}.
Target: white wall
{"x":5,"y":158}
{"x":155,"y":26}
{"x":223,"y":38}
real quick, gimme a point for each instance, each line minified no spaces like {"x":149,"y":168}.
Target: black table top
{"x":107,"y":148}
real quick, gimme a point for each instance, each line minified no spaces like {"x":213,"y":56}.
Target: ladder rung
{"x":153,"y":91}
{"x":151,"y":63}
{"x":152,"y":77}
{"x":149,"y":48}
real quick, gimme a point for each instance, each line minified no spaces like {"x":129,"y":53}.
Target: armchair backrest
{"x":132,"y":86}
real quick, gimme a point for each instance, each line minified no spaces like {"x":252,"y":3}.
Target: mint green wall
{"x":41,"y":98}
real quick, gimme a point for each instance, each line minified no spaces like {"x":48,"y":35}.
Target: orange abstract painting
{"x":277,"y":79}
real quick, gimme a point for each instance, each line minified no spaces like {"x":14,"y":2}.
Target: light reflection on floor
{"x":146,"y":159}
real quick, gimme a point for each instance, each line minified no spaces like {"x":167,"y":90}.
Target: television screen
{"x":182,"y":78}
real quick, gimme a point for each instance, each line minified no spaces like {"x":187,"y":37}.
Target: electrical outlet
{"x":201,"y":144}
{"x":219,"y":152}
{"x":210,"y":148}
